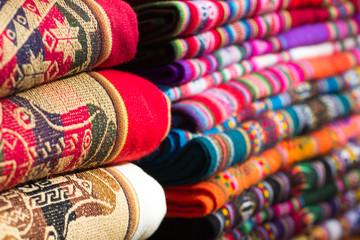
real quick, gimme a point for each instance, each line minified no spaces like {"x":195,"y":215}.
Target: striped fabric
{"x":255,"y":64}
{"x":205,"y":197}
{"x":234,"y":33}
{"x":182,"y":71}
{"x":204,"y":156}
{"x":205,"y":110}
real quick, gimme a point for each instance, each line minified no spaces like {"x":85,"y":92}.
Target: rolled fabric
{"x":234,"y":33}
{"x":83,"y":121}
{"x":255,"y":64}
{"x":45,"y":40}
{"x":182,"y":71}
{"x":199,"y":199}
{"x":215,"y":225}
{"x":177,"y":138}
{"x":214,"y":106}
{"x":121,"y":202}
{"x":344,"y":227}
{"x":204,"y":156}
{"x":306,"y":218}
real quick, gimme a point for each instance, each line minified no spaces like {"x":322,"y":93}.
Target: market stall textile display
{"x":202,"y":198}
{"x":255,"y":64}
{"x":177,"y":138}
{"x":121,"y":202}
{"x":45,"y":40}
{"x":263,"y":200}
{"x":234,"y":33}
{"x":182,"y":71}
{"x":214,"y":106}
{"x":204,"y":156}
{"x":83,"y":121}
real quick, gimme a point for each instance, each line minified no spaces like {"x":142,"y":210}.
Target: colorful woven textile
{"x":258,"y":63}
{"x":204,"y":156}
{"x":306,"y":218}
{"x":79,"y":122}
{"x":205,"y":197}
{"x":237,"y":32}
{"x":261,"y":4}
{"x":264,"y":196}
{"x":214,"y":106}
{"x":342,"y":227}
{"x":186,"y":70}
{"x":45,"y":40}
{"x":177,"y":138}
{"x":119,"y":202}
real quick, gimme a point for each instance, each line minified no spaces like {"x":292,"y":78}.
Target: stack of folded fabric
{"x":66,"y":144}
{"x":265,"y":125}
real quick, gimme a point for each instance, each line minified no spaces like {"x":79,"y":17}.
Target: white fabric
{"x":151,"y":198}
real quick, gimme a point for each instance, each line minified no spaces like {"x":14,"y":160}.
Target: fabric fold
{"x":205,"y":197}
{"x":82,"y":121}
{"x":115,"y":202}
{"x":46,"y":40}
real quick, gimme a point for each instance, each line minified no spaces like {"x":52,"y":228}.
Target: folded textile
{"x":204,"y":156}
{"x":259,"y":5}
{"x":177,"y":138}
{"x":82,"y":121}
{"x":255,"y":64}
{"x":182,"y":71}
{"x":264,"y":196}
{"x":120,"y":202}
{"x":336,"y":228}
{"x":305,"y":218}
{"x":214,"y":106}
{"x":199,"y":199}
{"x":235,"y":33}
{"x":45,"y":40}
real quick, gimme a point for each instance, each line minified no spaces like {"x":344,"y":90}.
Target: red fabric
{"x":147,"y":110}
{"x":124,"y":32}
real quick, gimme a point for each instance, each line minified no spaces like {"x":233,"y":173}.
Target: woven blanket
{"x":235,"y":33}
{"x":305,"y":218}
{"x":224,"y":220}
{"x":177,"y":138}
{"x":45,"y":40}
{"x":208,"y":196}
{"x":214,"y":106}
{"x":120,"y":202}
{"x":166,"y":19}
{"x":79,"y":122}
{"x":344,"y":227}
{"x":204,"y":156}
{"x":260,"y":4}
{"x":186,"y":70}
{"x":255,"y":64}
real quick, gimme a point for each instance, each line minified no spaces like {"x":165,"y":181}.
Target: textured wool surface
{"x":182,"y":71}
{"x":166,"y":19}
{"x":235,"y":33}
{"x":80,"y":122}
{"x":344,"y":227}
{"x":177,"y":138}
{"x":305,"y":218}
{"x":103,"y":203}
{"x":230,"y":215}
{"x":204,"y":156}
{"x":254,"y":64}
{"x":45,"y":40}
{"x":208,"y":196}
{"x":214,"y":106}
